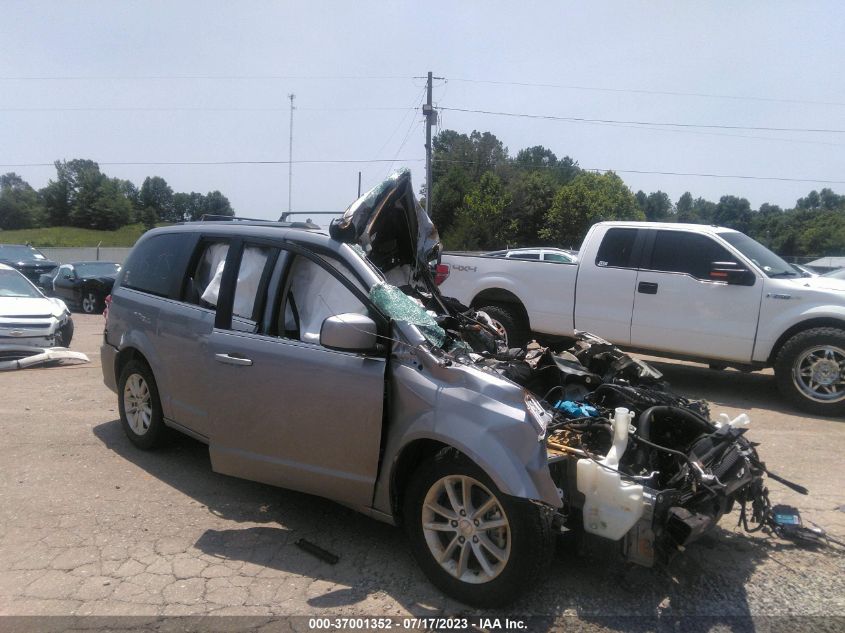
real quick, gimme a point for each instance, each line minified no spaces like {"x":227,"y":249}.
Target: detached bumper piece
{"x":14,"y":357}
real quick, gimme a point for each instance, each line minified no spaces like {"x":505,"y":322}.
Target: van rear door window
{"x":157,"y":264}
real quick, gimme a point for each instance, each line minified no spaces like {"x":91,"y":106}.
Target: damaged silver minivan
{"x":328,"y":362}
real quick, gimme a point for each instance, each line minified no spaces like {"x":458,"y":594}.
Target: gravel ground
{"x":91,"y":526}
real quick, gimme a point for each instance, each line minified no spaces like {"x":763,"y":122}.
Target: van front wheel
{"x":474,"y":543}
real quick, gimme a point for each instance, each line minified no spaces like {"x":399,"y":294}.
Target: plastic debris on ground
{"x":13,"y":358}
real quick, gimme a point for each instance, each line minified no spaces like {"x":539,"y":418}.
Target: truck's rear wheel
{"x":810,"y":371}
{"x":474,"y":543}
{"x":508,"y":321}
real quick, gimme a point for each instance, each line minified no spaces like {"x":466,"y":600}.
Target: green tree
{"x":683,"y":208}
{"x":734,"y":213}
{"x":215,"y":203}
{"x":531,"y":195}
{"x":540,"y":158}
{"x":156,"y":199}
{"x":447,"y":197}
{"x":100,"y":203}
{"x":20,"y":207}
{"x":73,"y":178}
{"x":588,"y":199}
{"x":188,"y":206}
{"x":480,"y":223}
{"x":458,"y":160}
{"x":658,"y":207}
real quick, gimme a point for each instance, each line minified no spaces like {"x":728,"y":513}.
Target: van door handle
{"x":647,"y":288}
{"x":230,"y":359}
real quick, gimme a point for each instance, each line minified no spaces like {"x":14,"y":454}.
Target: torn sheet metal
{"x":18,"y":357}
{"x":391,"y":226}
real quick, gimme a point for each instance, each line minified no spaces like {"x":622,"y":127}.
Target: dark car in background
{"x":28,"y":260}
{"x":84,"y":285}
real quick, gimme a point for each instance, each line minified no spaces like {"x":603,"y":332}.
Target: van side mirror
{"x":732,"y":273}
{"x":349,"y":332}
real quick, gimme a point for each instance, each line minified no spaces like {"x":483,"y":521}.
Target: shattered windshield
{"x":400,"y":307}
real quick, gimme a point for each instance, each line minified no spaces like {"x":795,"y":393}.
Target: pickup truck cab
{"x":702,"y":293}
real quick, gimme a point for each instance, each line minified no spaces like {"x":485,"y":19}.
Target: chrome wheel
{"x":466,"y":529}
{"x":500,"y":329}
{"x":818,"y":373}
{"x":137,"y":404}
{"x":89,"y":303}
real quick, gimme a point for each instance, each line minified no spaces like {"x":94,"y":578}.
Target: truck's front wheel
{"x":509,"y":323}
{"x":810,"y":371}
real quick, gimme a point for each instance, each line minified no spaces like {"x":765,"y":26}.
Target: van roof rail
{"x":210,"y":217}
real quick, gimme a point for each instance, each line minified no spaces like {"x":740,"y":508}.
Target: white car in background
{"x":29,"y":318}
{"x":558,"y":255}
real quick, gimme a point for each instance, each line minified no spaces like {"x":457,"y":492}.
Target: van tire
{"x":143,"y":423}
{"x":797,"y":354}
{"x":528,"y":527}
{"x":508,"y":316}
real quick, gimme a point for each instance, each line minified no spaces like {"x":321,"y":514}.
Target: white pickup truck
{"x":688,"y":291}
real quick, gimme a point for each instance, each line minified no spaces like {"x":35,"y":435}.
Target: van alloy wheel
{"x":137,"y":404}
{"x":466,"y":529}
{"x":819,"y":373}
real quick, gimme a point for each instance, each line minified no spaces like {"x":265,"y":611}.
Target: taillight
{"x":106,"y":311}
{"x":441,"y":273}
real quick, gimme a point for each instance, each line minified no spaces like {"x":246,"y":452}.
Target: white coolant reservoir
{"x":612,"y":506}
{"x":739,"y":422}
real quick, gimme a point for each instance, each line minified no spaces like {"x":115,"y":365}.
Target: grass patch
{"x":70,"y":236}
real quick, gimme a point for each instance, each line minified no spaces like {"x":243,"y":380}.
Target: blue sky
{"x":208,"y":81}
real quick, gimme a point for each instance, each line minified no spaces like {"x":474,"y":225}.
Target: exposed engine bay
{"x":634,"y":463}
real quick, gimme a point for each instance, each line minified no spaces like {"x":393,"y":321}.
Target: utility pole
{"x":430,"y":118}
{"x":359,"y":184}
{"x":291,"y":96}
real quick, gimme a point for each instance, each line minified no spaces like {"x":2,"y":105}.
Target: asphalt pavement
{"x":89,"y":525}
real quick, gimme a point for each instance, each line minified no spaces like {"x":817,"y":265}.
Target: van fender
{"x":482,"y":416}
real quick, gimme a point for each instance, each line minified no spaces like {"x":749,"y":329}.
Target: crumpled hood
{"x":26,"y":306}
{"x":821,"y":283}
{"x":390,"y":225}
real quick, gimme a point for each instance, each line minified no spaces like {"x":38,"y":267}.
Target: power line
{"x":199,"y":109}
{"x":668,"y":93}
{"x":494,"y":82}
{"x":740,"y":177}
{"x":419,"y":160}
{"x":203,"y":77}
{"x":572,"y":119}
{"x":232,"y":162}
{"x":670,"y":173}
